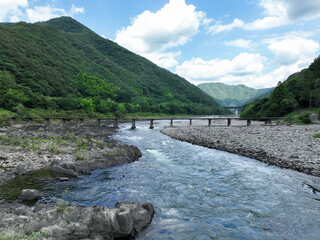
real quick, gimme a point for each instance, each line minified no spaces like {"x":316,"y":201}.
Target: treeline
{"x":89,"y":94}
{"x":301,"y":90}
{"x":62,"y":65}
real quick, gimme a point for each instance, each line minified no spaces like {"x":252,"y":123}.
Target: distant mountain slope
{"x":232,"y":95}
{"x":300,"y":90}
{"x":44,"y":59}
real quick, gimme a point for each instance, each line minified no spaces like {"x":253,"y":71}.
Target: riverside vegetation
{"x":300,"y":90}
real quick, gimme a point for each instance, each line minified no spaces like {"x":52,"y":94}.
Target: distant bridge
{"x":236,"y":108}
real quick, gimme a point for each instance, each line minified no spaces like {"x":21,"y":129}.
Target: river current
{"x":201,"y":193}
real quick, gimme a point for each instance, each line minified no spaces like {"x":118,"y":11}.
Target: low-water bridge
{"x":115,"y":121}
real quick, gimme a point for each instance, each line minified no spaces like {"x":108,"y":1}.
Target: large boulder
{"x":73,"y":222}
{"x":30,"y":194}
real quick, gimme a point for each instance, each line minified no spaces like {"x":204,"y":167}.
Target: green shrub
{"x":303,"y":118}
{"x":81,"y":156}
{"x":316,"y":135}
{"x":5,"y":121}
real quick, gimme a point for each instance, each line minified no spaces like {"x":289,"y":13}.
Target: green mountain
{"x":232,"y":95}
{"x":61,"y":64}
{"x":300,"y":90}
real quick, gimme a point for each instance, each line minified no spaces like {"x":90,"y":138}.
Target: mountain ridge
{"x":232,"y":95}
{"x":45,"y":58}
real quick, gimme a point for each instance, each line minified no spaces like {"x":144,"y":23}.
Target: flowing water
{"x":201,"y":193}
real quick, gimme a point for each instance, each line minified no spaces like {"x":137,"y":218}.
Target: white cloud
{"x":294,"y":50}
{"x":10,"y":8}
{"x":221,"y":70}
{"x":276,"y":13}
{"x":239,"y":43}
{"x":217,"y":28}
{"x":19,"y":10}
{"x":151,"y":34}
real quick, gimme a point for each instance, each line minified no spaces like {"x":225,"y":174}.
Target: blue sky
{"x":251,"y":42}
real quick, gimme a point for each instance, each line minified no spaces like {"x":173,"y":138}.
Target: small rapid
{"x":201,"y":193}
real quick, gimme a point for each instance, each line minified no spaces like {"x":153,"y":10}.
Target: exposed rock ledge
{"x":66,"y":149}
{"x":72,"y":222}
{"x":292,"y":147}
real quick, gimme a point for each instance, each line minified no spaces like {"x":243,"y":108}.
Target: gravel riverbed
{"x":292,"y":147}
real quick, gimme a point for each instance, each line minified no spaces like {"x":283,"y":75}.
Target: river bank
{"x":292,"y":147}
{"x":67,"y":151}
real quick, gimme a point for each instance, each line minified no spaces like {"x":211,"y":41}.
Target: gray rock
{"x":23,"y":168}
{"x":72,"y":222}
{"x":30,"y":194}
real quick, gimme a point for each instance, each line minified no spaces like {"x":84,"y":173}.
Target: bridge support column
{"x":133,"y":124}
{"x":248,"y":122}
{"x":151,"y":124}
{"x":63,"y":121}
{"x":190,"y":123}
{"x":47,"y":121}
{"x":209,"y":122}
{"x":229,"y":122}
{"x":237,"y":110}
{"x":29,"y":120}
{"x":115,"y":123}
{"x":13,"y":120}
{"x":171,"y":122}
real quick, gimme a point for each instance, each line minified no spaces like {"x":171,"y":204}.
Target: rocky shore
{"x":69,"y":150}
{"x":66,"y":149}
{"x":64,"y":222}
{"x":292,"y":147}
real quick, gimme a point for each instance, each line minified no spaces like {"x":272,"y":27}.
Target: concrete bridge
{"x":115,"y":121}
{"x":236,"y":108}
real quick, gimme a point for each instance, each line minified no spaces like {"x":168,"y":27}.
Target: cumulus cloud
{"x":9,"y":8}
{"x":44,"y":13}
{"x":152,"y":33}
{"x":218,"y":27}
{"x":239,"y":43}
{"x":276,"y":13}
{"x":20,"y":10}
{"x":294,"y":50}
{"x":292,"y":54}
{"x":243,"y":65}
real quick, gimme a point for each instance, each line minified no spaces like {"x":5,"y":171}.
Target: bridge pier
{"x":63,"y":121}
{"x":13,"y":120}
{"x":248,"y":122}
{"x":190,"y":123}
{"x":229,"y":122}
{"x":151,"y":124}
{"x":115,"y":123}
{"x":209,"y":122}
{"x":29,"y":121}
{"x":133,"y":126}
{"x":171,"y":122}
{"x":46,"y":121}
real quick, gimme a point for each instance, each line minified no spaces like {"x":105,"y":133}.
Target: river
{"x":201,"y":193}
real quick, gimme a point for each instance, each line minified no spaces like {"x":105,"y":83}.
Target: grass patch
{"x":316,"y":135}
{"x":299,"y":119}
{"x":81,"y":156}
{"x":23,"y":236}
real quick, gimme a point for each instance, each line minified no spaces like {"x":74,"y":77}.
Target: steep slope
{"x":300,"y":90}
{"x":232,"y":95}
{"x":44,"y":59}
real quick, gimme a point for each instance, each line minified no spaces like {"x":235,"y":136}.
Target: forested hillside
{"x":300,"y":90}
{"x":232,"y":95}
{"x":60,"y":64}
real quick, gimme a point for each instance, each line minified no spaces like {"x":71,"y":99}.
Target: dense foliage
{"x":62,"y":65}
{"x":301,"y":90}
{"x":232,"y":95}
